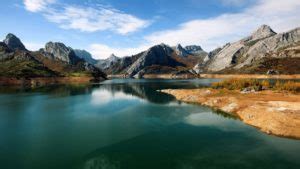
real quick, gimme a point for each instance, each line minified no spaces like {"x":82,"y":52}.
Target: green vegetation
{"x":24,"y":68}
{"x":257,"y":85}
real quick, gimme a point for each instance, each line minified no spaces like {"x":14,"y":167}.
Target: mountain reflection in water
{"x":127,"y":124}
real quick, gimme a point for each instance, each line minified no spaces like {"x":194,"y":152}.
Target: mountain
{"x":105,"y":64}
{"x":59,"y":51}
{"x":159,"y":59}
{"x":13,"y":42}
{"x":181,"y":51}
{"x":189,"y":50}
{"x":85,"y":55}
{"x":55,"y":60}
{"x":20,"y":63}
{"x":195,"y":50}
{"x":255,"y":54}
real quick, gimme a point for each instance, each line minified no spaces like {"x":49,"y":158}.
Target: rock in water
{"x":14,"y":42}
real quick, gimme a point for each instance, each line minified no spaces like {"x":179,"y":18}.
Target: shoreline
{"x":249,"y":76}
{"x":43,"y":81}
{"x":212,"y":76}
{"x":272,"y":112}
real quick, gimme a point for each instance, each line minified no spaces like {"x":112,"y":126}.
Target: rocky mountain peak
{"x":193,"y":48}
{"x":263,"y":31}
{"x":61,"y":51}
{"x":181,"y":51}
{"x":13,"y":42}
{"x":112,"y":57}
{"x":161,"y":48}
{"x":85,"y":55}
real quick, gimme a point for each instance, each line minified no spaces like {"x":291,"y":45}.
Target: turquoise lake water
{"x":127,"y":124}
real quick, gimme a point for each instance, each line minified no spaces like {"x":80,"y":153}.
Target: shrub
{"x":287,"y":86}
{"x":238,"y":84}
{"x":257,"y":85}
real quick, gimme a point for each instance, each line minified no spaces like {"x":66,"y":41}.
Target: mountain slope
{"x":159,"y":59}
{"x":85,"y":55}
{"x":56,"y":60}
{"x":263,"y":47}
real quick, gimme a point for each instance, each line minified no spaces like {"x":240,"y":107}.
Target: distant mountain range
{"x":159,"y":59}
{"x":55,"y":60}
{"x":264,"y":51}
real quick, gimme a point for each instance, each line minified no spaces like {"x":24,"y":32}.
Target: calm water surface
{"x":127,"y":124}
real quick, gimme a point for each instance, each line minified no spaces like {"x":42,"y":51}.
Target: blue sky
{"x":126,"y":27}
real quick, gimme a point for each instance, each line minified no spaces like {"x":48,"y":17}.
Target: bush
{"x":257,"y":85}
{"x":287,"y":86}
{"x":238,"y":84}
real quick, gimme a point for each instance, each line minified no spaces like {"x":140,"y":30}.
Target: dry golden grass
{"x":257,"y":85}
{"x":287,"y":86}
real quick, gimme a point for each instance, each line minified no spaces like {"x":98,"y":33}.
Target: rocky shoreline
{"x":275,"y":113}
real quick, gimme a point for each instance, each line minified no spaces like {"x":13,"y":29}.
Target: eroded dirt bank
{"x":272,"y":112}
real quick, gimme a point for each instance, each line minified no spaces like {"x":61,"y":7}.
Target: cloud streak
{"x":102,"y":51}
{"x":87,"y":19}
{"x":37,"y":5}
{"x":213,"y":32}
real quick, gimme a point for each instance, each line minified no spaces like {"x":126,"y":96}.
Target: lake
{"x":128,"y":124}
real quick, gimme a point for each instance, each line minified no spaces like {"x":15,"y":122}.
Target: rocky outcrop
{"x":195,"y":50}
{"x":56,"y":60}
{"x":5,"y":52}
{"x":57,"y":50}
{"x":262,"y":43}
{"x":156,"y":55}
{"x":181,"y":51}
{"x":189,"y":50}
{"x":105,"y":64}
{"x":271,"y":45}
{"x":85,"y":55}
{"x":13,"y":42}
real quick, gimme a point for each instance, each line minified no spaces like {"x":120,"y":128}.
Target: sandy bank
{"x":273,"y":113}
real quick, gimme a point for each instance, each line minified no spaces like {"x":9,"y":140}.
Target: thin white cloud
{"x":102,"y":51}
{"x":214,"y":32}
{"x":87,"y":19}
{"x":37,"y":5}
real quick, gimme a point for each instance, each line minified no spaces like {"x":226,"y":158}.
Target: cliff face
{"x":13,"y":42}
{"x":56,"y":60}
{"x":159,"y":59}
{"x":263,"y":44}
{"x":60,"y":52}
{"x":157,"y":55}
{"x":85,"y":55}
